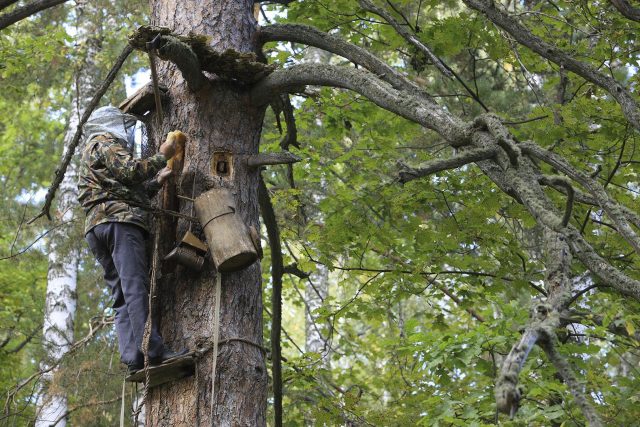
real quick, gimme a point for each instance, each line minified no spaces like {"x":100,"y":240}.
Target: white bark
{"x":61,"y":297}
{"x":60,"y":305}
{"x":316,"y":290}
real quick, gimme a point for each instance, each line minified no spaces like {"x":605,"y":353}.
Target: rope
{"x":124,"y":382}
{"x":147,"y":326}
{"x":216,"y":330}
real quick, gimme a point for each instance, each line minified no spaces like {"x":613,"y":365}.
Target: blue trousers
{"x":120,"y":249}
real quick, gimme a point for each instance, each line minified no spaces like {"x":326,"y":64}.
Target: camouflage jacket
{"x":112,"y":185}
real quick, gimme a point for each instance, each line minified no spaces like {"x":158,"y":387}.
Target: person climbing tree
{"x":114,"y":190}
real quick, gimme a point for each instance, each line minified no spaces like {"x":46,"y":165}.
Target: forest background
{"x":400,"y":302}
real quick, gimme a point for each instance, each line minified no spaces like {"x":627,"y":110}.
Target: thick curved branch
{"x":470,"y":156}
{"x":311,"y":36}
{"x":76,"y":138}
{"x":417,"y":109}
{"x":6,"y":3}
{"x":587,"y":199}
{"x":612,"y":208}
{"x":609,"y":275}
{"x":277,"y":271}
{"x":507,"y":391}
{"x":513,"y":181}
{"x":524,"y":36}
{"x":561,"y":181}
{"x":626,"y":9}
{"x":550,"y":347}
{"x":545,"y":213}
{"x":494,"y":125}
{"x":26,"y":11}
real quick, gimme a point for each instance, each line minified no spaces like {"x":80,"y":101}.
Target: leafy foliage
{"x":429,"y":283}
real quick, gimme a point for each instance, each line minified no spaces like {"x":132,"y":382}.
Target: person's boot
{"x":168,"y":355}
{"x":132,"y":368}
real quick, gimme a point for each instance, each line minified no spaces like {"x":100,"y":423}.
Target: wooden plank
{"x":142,"y":101}
{"x":180,"y":367}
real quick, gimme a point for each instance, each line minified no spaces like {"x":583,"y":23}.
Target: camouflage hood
{"x":111,"y":120}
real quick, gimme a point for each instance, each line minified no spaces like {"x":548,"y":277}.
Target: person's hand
{"x":164,"y":175}
{"x":168,"y":148}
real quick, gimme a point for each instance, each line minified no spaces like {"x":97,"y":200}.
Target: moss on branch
{"x":230,"y":65}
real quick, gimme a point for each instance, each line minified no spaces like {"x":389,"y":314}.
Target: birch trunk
{"x":60,"y":304}
{"x":61,"y":297}
{"x":316,"y":290}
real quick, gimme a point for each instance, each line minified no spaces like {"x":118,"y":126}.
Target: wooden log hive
{"x":229,"y":239}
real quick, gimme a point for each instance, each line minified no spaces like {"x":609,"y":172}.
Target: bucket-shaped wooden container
{"x":229,"y":238}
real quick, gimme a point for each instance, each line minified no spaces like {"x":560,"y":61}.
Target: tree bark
{"x":26,"y":11}
{"x":218,"y":117}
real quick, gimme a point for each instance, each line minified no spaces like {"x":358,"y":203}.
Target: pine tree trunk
{"x":219,"y":117}
{"x":61,"y":298}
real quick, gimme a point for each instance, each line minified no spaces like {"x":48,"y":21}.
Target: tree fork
{"x":76,"y":137}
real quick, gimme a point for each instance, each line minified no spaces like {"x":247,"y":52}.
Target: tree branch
{"x":311,"y":36}
{"x":94,"y":328}
{"x":277,"y":271}
{"x":626,"y":9}
{"x":582,"y":197}
{"x":24,"y":342}
{"x":470,"y":156}
{"x":25,"y":11}
{"x":417,"y":109}
{"x":507,"y":392}
{"x":524,"y":36}
{"x":550,"y":347}
{"x":295,"y":270}
{"x":76,"y":138}
{"x":458,"y":301}
{"x":513,"y":181}
{"x":368,"y":6}
{"x":612,"y":208}
{"x":561,"y":181}
{"x":6,"y":3}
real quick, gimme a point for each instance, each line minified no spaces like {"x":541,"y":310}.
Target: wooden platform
{"x":180,"y":367}
{"x":143,"y":101}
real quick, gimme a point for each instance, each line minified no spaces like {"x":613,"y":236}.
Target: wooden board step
{"x":180,"y":367}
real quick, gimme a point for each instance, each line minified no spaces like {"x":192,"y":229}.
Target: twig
{"x":83,"y":405}
{"x":367,"y":5}
{"x":584,"y":291}
{"x":519,"y":122}
{"x":93,"y":330}
{"x":76,"y":138}
{"x":37,"y":239}
{"x":470,"y":156}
